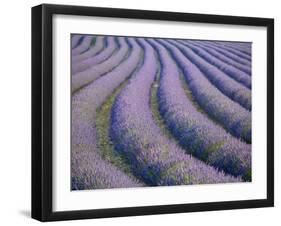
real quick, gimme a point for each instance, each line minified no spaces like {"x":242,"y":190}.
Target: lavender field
{"x":159,"y":112}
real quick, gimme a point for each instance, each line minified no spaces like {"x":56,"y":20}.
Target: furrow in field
{"x":236,"y":74}
{"x":225,"y":53}
{"x":229,"y":87}
{"x":154,"y":158}
{"x":89,"y":170}
{"x":75,"y":39}
{"x":196,"y":133}
{"x":234,"y":51}
{"x":236,"y":119}
{"x":242,"y":47}
{"x":102,"y":125}
{"x":84,"y":45}
{"x":91,"y":51}
{"x":85,"y":77}
{"x":214,"y":53}
{"x":111,"y":46}
{"x":209,"y":61}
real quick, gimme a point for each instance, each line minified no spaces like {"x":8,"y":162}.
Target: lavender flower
{"x":91,"y":51}
{"x":84,"y":45}
{"x":111,"y":46}
{"x":85,"y":77}
{"x":227,"y":112}
{"x":246,"y":68}
{"x":232,"y":50}
{"x":195,"y":131}
{"x":225,"y":84}
{"x":89,"y":170}
{"x":75,"y":40}
{"x":240,"y":46}
{"x":153,"y":157}
{"x":228,"y":69}
{"x":226,"y":53}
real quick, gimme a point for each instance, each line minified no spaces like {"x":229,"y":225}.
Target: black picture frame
{"x":42,"y":107}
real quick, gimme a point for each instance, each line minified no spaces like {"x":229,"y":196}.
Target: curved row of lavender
{"x":195,"y":132}
{"x":88,"y":169}
{"x":75,"y":40}
{"x":243,"y":47}
{"x":91,"y":50}
{"x":102,"y":55}
{"x":232,"y":50}
{"x":229,"y":70}
{"x":85,"y":77}
{"x":84,"y":45}
{"x":153,"y":158}
{"x":209,"y":126}
{"x":100,"y":44}
{"x":226,"y":53}
{"x":231,"y":88}
{"x":227,"y":112}
{"x":245,"y":68}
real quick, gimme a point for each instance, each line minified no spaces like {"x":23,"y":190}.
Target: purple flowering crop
{"x":84,"y":45}
{"x":85,"y":77}
{"x":198,"y":134}
{"x":75,"y":40}
{"x":226,"y":53}
{"x":225,"y":84}
{"x":246,"y":68}
{"x":88,"y":169}
{"x":159,"y":112}
{"x":229,"y":113}
{"x":232,"y":50}
{"x":228,"y":69}
{"x":111,"y":46}
{"x":153,"y":158}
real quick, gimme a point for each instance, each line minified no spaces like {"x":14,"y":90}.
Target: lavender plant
{"x":196,"y":132}
{"x":153,"y":112}
{"x":225,"y":84}
{"x":153,"y":158}
{"x":88,"y":169}
{"x":228,"y":69}
{"x":234,"y":51}
{"x":242,"y":47}
{"x":91,"y":51}
{"x":75,"y":40}
{"x":247,"y":69}
{"x":111,"y":46}
{"x":83,"y":46}
{"x":85,"y":77}
{"x":228,"y":113}
{"x":226,"y":53}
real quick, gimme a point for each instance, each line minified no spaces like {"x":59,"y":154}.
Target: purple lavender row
{"x":232,"y":89}
{"x":75,"y":40}
{"x":89,"y":170}
{"x":84,"y":45}
{"x":206,"y":62}
{"x":214,"y":53}
{"x":152,"y":156}
{"x":231,"y":50}
{"x":239,"y":45}
{"x":111,"y":46}
{"x":83,"y":78}
{"x":194,"y":131}
{"x":90,"y":51}
{"x":226,"y":53}
{"x":242,"y":47}
{"x":236,"y":119}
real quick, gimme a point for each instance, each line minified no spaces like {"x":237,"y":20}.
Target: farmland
{"x":159,"y":112}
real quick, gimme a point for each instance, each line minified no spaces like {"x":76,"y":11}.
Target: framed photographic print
{"x":146,"y":112}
